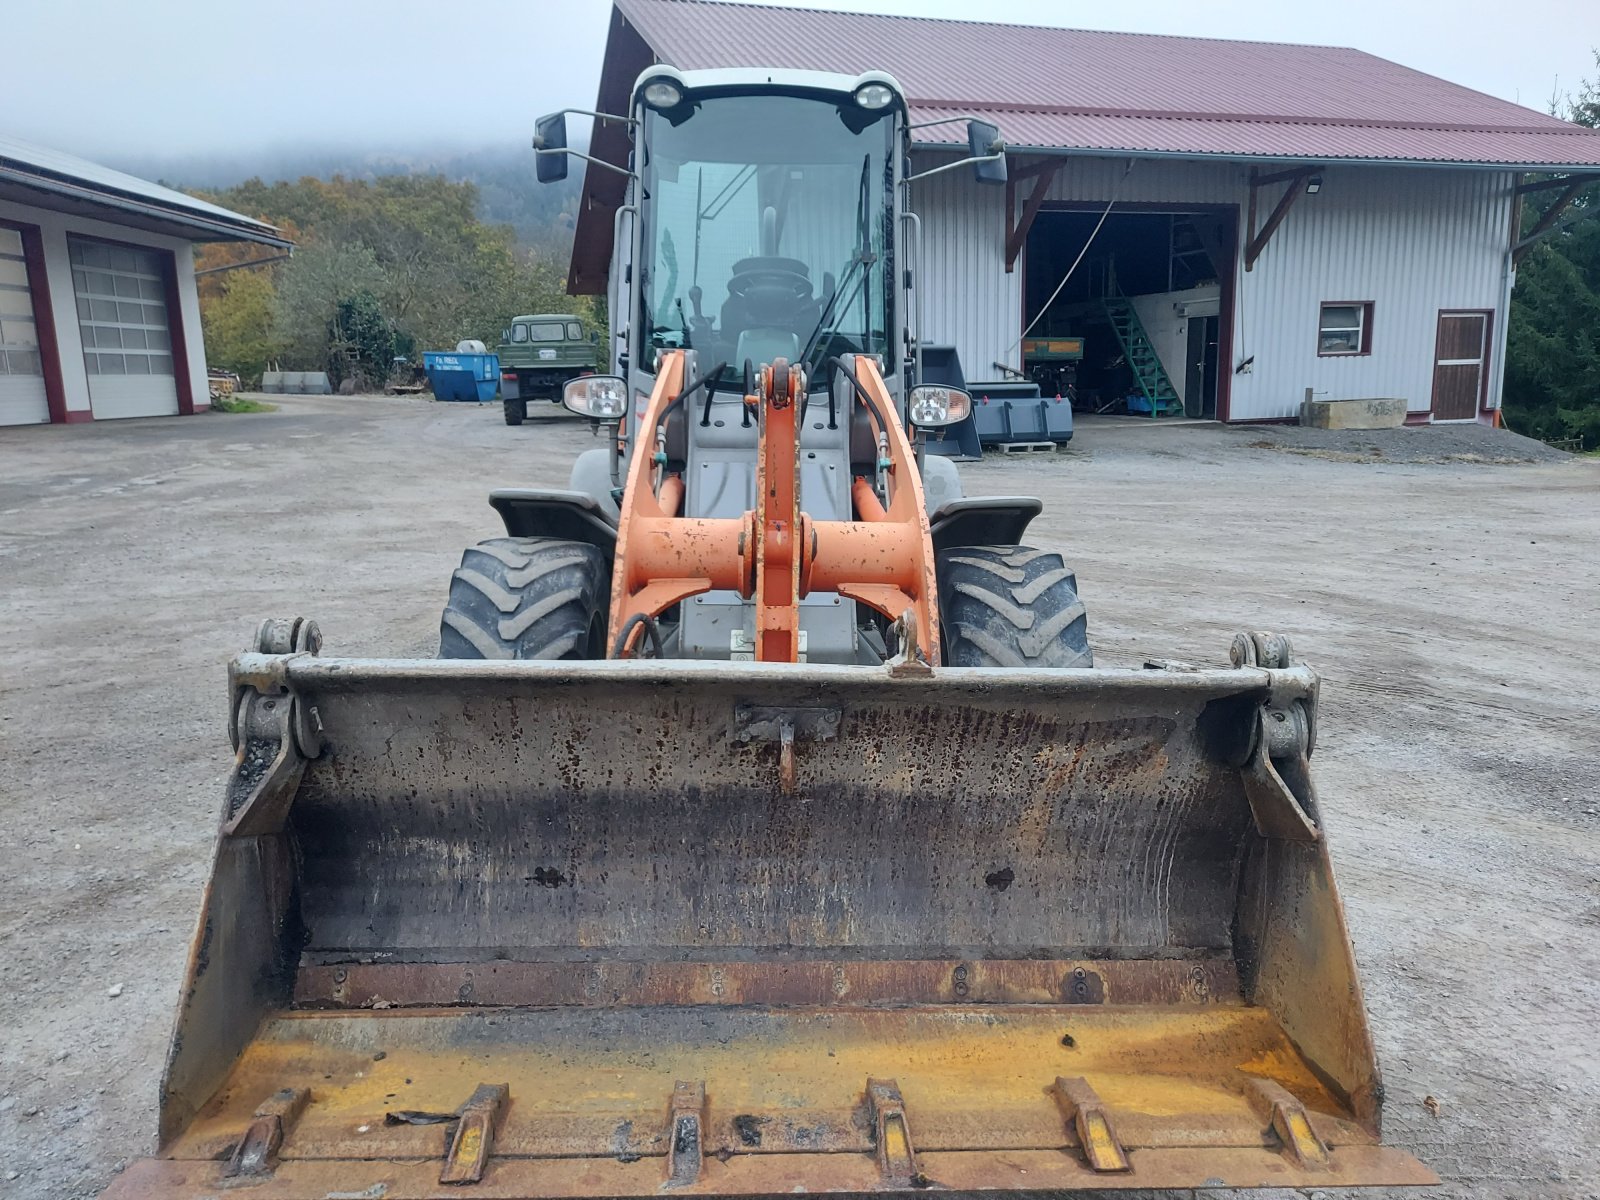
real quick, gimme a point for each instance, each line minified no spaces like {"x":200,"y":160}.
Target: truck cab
{"x":538,"y":354}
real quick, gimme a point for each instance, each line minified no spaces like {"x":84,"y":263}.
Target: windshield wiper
{"x":863,"y":257}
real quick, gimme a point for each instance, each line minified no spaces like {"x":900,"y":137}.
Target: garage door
{"x":22,"y":394}
{"x":122,"y":311}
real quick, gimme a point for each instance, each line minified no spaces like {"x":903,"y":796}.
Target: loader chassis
{"x":755,"y":832}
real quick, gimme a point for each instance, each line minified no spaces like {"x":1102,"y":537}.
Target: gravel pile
{"x":1410,"y":444}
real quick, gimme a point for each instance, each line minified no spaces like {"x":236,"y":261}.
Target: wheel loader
{"x":763,"y":825}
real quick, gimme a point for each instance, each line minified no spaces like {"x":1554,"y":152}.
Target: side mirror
{"x":985,"y":143}
{"x":550,"y":147}
{"x":601,"y":397}
{"x":934,"y":406}
{"x":594,"y":337}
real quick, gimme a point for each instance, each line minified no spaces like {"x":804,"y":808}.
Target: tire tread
{"x":526,"y":598}
{"x":1011,"y":606}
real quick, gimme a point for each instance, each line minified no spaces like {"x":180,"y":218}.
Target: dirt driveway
{"x":1452,"y":608}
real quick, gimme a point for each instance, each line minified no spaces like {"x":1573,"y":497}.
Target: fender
{"x":983,"y":521}
{"x":553,"y":513}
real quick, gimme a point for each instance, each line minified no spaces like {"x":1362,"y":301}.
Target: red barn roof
{"x":1075,"y":90}
{"x":1088,"y":90}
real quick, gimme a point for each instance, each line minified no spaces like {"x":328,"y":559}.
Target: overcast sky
{"x":112,"y":78}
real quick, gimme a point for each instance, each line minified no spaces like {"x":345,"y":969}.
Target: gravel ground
{"x":1450,"y":607}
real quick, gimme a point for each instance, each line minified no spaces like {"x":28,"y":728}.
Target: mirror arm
{"x":951,"y":166}
{"x":598,"y":116}
{"x":599,"y":162}
{"x":945,"y":121}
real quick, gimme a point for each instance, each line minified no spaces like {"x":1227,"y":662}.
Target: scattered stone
{"x":1432,"y":1105}
{"x":114,"y":990}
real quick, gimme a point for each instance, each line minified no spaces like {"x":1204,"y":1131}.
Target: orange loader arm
{"x":775,"y":553}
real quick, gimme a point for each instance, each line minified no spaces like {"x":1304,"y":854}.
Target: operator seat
{"x":768,"y":291}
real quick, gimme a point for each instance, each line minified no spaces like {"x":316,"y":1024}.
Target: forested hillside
{"x":390,"y":260}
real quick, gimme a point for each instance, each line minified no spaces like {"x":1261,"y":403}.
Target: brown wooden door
{"x":1458,"y":367}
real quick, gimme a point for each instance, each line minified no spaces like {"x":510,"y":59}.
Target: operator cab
{"x":767,"y":218}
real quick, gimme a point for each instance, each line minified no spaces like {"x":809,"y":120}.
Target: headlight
{"x":933,"y":406}
{"x":874,"y":95}
{"x":603,"y":397}
{"x":662,"y":94}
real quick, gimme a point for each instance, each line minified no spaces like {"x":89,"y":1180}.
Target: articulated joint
{"x":274,"y":730}
{"x":1277,"y":773}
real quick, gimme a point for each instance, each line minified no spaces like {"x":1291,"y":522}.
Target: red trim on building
{"x":44,"y":320}
{"x":175,"y":327}
{"x":78,"y":416}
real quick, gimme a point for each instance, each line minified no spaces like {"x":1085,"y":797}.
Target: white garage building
{"x":1254,"y":221}
{"x":99,"y":316}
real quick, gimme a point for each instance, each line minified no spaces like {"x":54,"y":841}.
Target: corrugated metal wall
{"x":968,"y":300}
{"x":1411,"y":241}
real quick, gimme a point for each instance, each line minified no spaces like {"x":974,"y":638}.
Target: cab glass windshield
{"x":767,"y":230}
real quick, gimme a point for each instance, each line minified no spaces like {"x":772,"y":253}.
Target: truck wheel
{"x":527,"y":598}
{"x":516,"y":410}
{"x":1010,"y":606}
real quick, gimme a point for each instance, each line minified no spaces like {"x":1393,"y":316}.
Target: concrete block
{"x":1375,"y":413}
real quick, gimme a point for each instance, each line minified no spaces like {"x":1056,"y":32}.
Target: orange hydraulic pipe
{"x":671,"y":495}
{"x":868,"y":506}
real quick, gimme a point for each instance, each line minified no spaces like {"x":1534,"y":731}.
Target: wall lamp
{"x":1313,"y":185}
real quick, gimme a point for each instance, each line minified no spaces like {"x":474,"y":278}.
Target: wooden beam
{"x":1546,"y":223}
{"x":1284,"y":176}
{"x":1037,"y":168}
{"x":1560,"y":181}
{"x":1019,"y":234}
{"x":1258,"y":241}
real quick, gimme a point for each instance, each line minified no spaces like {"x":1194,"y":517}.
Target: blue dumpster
{"x":456,"y":376}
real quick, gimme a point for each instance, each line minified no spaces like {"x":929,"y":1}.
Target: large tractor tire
{"x":1010,"y":606}
{"x":527,"y":598}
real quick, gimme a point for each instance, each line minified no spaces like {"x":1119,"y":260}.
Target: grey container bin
{"x":1014,"y":411}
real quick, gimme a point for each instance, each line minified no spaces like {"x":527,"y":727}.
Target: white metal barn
{"x":1218,"y":228}
{"x":99,"y":315}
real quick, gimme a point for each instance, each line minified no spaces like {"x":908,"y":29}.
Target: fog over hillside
{"x":508,"y":192}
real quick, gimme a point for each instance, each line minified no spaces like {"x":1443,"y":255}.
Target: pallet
{"x":1026,"y":447}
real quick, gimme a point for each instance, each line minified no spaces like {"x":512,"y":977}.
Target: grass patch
{"x":241,"y":404}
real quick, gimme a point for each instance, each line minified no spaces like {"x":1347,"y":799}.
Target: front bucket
{"x":610,"y":929}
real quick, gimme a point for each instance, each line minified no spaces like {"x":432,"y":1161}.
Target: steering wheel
{"x":771,"y":281}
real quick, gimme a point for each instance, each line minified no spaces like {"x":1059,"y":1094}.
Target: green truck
{"x":538,"y":354}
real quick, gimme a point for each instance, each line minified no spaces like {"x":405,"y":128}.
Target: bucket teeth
{"x":686,"y":1133}
{"x":473,"y":1142}
{"x":1092,"y":1122}
{"x":1290,"y":1122}
{"x":897,"y":1157}
{"x":257,"y":1149}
